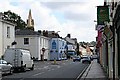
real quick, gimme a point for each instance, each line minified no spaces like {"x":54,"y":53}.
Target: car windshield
{"x":76,"y":56}
{"x":85,"y":57}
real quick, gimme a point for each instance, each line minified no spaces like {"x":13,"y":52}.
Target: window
{"x":53,"y":44}
{"x":62,"y":43}
{"x":26,"y":41}
{"x":8,"y":47}
{"x":8,"y":32}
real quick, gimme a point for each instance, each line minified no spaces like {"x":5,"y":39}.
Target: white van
{"x":19,"y":58}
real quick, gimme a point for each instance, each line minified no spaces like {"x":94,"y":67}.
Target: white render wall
{"x":4,"y":40}
{"x":33,"y":46}
{"x":45,"y":43}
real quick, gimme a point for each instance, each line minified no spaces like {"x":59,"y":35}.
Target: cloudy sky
{"x":75,"y":17}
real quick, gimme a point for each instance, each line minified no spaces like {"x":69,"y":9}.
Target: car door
{"x":2,"y":66}
{"x":5,"y":66}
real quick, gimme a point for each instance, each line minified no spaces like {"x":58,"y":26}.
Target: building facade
{"x":7,"y":36}
{"x":33,"y":41}
{"x":57,"y":49}
{"x":109,"y":48}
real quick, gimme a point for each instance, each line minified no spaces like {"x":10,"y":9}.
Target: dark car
{"x":76,"y":58}
{"x":86,"y":59}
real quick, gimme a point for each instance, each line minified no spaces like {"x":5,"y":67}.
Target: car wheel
{"x":23,"y":69}
{"x":11,"y":71}
{"x":32,"y":68}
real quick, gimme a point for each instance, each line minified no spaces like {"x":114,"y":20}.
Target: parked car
{"x":86,"y":59}
{"x":6,"y":67}
{"x":94,"y":56}
{"x":76,"y":58}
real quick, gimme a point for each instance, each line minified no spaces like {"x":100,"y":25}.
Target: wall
{"x":4,"y":40}
{"x":57,"y":48}
{"x":45,"y":43}
{"x":34,"y":45}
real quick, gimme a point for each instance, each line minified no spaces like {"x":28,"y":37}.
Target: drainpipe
{"x":113,"y":51}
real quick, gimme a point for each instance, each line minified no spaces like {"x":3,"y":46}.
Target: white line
{"x":58,"y":67}
{"x":53,"y":69}
{"x":38,"y":74}
{"x":82,"y":73}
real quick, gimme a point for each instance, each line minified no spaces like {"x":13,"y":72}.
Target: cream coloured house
{"x":34,"y":41}
{"x":7,"y":35}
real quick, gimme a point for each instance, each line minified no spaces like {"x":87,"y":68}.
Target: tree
{"x":93,"y":43}
{"x":14,"y":18}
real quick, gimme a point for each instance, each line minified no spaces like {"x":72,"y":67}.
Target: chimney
{"x":68,"y":35}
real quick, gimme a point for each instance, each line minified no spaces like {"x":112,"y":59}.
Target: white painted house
{"x":7,"y":35}
{"x":45,"y":43}
{"x":34,"y":41}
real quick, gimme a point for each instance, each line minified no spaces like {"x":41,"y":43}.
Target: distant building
{"x":71,"y":45}
{"x":57,"y":48}
{"x":86,"y":50}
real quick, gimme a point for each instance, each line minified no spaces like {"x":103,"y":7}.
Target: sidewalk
{"x":94,"y":71}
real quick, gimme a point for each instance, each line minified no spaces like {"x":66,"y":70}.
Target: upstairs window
{"x":26,"y":41}
{"x":8,"y":32}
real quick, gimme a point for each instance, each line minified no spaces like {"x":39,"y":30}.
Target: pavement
{"x":93,"y":72}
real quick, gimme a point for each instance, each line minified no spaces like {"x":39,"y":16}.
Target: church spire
{"x":30,"y":21}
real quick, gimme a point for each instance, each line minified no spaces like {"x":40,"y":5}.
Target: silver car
{"x":6,"y":67}
{"x":86,"y":59}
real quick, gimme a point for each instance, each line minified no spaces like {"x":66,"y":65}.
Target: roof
{"x":26,"y":32}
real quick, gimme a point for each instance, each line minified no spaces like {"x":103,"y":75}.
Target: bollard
{"x":54,"y":61}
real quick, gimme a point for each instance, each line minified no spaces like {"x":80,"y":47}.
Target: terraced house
{"x":7,"y":35}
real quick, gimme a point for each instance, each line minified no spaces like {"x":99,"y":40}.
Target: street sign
{"x":108,"y":32}
{"x":102,"y":14}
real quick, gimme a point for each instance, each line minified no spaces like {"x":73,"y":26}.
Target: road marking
{"x":53,"y":69}
{"x":40,"y":68}
{"x":46,"y":66}
{"x":58,"y":66}
{"x":49,"y":70}
{"x":38,"y":74}
{"x":78,"y":77}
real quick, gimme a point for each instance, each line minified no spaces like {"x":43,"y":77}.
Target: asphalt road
{"x":47,"y":70}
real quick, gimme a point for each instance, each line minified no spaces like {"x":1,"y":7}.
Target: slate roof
{"x":26,"y":32}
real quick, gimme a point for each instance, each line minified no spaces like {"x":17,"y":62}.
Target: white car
{"x":6,"y":67}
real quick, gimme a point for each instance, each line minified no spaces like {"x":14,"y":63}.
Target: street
{"x":62,"y":69}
